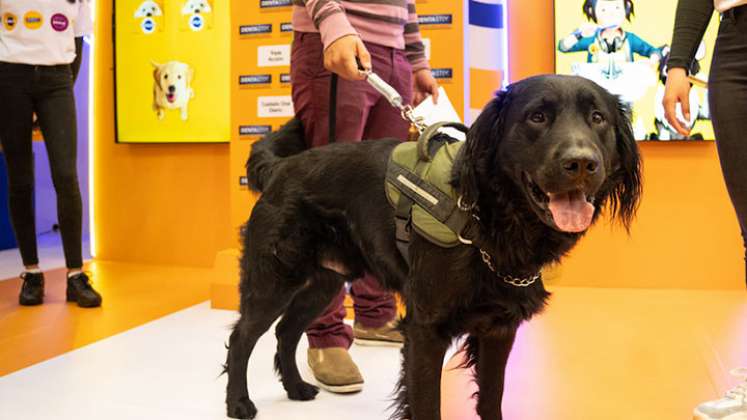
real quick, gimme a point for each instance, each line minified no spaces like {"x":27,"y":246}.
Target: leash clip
{"x":394,"y":99}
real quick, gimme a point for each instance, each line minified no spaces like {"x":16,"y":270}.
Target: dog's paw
{"x":242,"y":409}
{"x":302,"y":391}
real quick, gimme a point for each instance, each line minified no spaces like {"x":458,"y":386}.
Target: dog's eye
{"x":166,"y":77}
{"x":538,"y":117}
{"x":597,"y":117}
{"x":179,"y":77}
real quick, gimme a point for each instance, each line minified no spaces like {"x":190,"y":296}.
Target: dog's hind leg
{"x":246,"y":332}
{"x":265,"y":294}
{"x":306,"y":306}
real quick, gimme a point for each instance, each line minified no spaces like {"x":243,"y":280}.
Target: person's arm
{"x":414,"y":48}
{"x":342,"y":44}
{"x":75,"y":65}
{"x":580,"y":45}
{"x":690,"y":24}
{"x":643,"y":48}
{"x":330,"y":20}
{"x":83,"y":26}
{"x":423,"y":82}
{"x":578,"y":40}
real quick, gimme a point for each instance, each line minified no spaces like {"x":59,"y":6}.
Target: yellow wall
{"x":153,"y":203}
{"x":686,"y":234}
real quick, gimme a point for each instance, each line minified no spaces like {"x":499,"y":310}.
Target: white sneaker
{"x":732,"y":407}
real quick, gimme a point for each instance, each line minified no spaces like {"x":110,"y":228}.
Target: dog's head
{"x":196,"y":7}
{"x":564,"y":143}
{"x":148,"y":8}
{"x":173,"y":80}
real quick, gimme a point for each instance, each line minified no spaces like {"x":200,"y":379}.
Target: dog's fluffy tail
{"x":287,"y":141}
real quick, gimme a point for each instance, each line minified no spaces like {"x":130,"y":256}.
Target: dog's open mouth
{"x":571,"y":211}
{"x":171,"y":97}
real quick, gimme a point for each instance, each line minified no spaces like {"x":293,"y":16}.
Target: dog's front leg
{"x":490,"y":368}
{"x":424,"y":355}
{"x":185,"y":114}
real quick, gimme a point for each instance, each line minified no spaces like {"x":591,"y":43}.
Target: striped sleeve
{"x":329,"y":18}
{"x":414,"y":48}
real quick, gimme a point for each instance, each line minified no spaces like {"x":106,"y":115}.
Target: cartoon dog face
{"x":148,"y":8}
{"x":196,"y":7}
{"x":172,"y":87}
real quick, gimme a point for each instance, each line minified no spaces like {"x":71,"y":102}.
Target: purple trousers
{"x":362,"y":113}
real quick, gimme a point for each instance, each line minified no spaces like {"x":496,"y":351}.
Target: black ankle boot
{"x":32,"y":290}
{"x":79,"y":290}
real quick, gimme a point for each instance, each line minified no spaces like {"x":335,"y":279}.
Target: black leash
{"x":332,"y":108}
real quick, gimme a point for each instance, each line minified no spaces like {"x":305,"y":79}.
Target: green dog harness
{"x":418,"y":187}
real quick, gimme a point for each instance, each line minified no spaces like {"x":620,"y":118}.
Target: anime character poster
{"x":624,"y":46}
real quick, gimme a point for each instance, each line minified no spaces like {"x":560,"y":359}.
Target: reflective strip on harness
{"x":426,"y":195}
{"x":404,"y":181}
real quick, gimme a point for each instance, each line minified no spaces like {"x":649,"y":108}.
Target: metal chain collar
{"x":488,"y":259}
{"x":513,"y":281}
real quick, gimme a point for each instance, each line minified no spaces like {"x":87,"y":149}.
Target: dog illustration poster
{"x":196,"y":15}
{"x":624,"y":46}
{"x":148,"y":17}
{"x":173,"y":71}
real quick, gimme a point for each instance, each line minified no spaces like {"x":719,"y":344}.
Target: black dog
{"x":540,"y":163}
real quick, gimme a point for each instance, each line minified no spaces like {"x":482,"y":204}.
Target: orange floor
{"x":594,"y":354}
{"x":133,"y":295}
{"x":604,"y":354}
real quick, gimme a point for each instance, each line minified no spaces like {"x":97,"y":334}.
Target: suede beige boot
{"x":334,"y":370}
{"x":388,"y":335}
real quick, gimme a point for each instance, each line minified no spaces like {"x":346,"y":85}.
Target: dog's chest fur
{"x":454,"y":289}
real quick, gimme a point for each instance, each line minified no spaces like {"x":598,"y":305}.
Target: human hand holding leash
{"x":424,"y":84}
{"x":340,"y":57}
{"x":677,"y":91}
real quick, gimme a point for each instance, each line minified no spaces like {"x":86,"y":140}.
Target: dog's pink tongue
{"x":171,"y":97}
{"x":571,"y":211}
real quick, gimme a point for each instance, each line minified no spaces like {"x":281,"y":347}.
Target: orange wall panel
{"x":159,"y":203}
{"x":153,"y":203}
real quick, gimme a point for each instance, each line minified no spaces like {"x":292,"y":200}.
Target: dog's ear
{"x":481,"y":147}
{"x":626,"y":192}
{"x":156,"y":71}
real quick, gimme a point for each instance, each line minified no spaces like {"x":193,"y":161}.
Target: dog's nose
{"x":197,"y":11}
{"x":580,"y":164}
{"x":172,"y":89}
{"x":149,"y":14}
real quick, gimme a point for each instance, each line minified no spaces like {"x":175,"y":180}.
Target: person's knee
{"x":66,"y":183}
